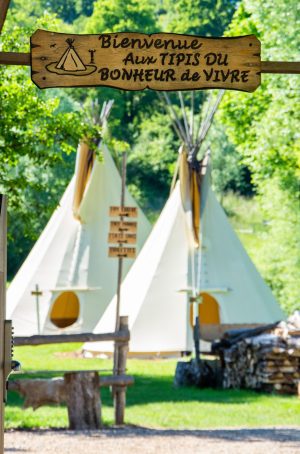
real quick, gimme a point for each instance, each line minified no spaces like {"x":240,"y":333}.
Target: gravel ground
{"x":150,"y":441}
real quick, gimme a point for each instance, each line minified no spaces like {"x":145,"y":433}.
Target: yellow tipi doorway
{"x":209,"y":310}
{"x":65,"y":310}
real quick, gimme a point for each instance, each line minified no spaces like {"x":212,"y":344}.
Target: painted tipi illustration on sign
{"x":70,"y":63}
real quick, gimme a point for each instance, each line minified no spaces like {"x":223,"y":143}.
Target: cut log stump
{"x":83,"y":400}
{"x":207,"y":374}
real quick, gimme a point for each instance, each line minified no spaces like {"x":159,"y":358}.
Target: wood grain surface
{"x":124,"y":252}
{"x":135,"y":61}
{"x":129,"y":212}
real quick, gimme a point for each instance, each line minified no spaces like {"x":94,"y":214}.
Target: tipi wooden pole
{"x":207,"y":124}
{"x":175,"y":117}
{"x":165,"y":105}
{"x":120,"y":391}
{"x":185,"y":121}
{"x":192,"y":115}
{"x":2,"y":312}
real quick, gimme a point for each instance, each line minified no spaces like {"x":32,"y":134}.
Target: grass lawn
{"x":152,"y":401}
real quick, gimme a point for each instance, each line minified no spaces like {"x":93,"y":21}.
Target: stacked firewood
{"x":267,"y":361}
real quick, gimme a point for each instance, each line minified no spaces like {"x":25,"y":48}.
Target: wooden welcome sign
{"x":135,"y":61}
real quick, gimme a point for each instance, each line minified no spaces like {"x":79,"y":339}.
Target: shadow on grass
{"x":148,"y":390}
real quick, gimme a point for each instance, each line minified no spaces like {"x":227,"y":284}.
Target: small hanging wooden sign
{"x":126,"y":238}
{"x":123,"y":226}
{"x":129,"y":212}
{"x":135,"y":61}
{"x":122,"y":252}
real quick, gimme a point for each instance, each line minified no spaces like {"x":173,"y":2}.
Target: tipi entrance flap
{"x":209,"y":311}
{"x":65,"y":310}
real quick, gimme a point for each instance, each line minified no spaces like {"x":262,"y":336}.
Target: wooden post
{"x":120,"y":263}
{"x":37,"y":293}
{"x":124,"y":160}
{"x":4,"y":4}
{"x":120,"y":391}
{"x":2,"y":312}
{"x":83,"y":400}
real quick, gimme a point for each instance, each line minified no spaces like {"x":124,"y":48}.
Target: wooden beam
{"x":4,"y":4}
{"x":105,"y":380}
{"x":280,"y":67}
{"x":267,"y":67}
{"x":120,"y":336}
{"x":116,"y":380}
{"x":40,"y":391}
{"x":211,"y":332}
{"x":15,"y":58}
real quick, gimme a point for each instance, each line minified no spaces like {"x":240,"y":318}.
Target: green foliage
{"x":197,"y":17}
{"x":47,"y":125}
{"x":37,"y":135}
{"x":112,"y":16}
{"x":264,"y":127}
{"x":152,"y":162}
{"x":229,"y":173}
{"x":67,"y":10}
{"x":280,"y":259}
{"x":152,"y":401}
{"x":129,"y":107}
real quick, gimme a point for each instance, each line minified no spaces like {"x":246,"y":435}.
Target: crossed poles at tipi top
{"x":188,"y":166}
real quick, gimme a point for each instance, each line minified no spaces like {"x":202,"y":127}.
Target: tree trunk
{"x":83,"y":400}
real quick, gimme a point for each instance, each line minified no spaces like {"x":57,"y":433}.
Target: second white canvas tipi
{"x":156,"y":292}
{"x":69,"y":263}
{"x":192,"y":264}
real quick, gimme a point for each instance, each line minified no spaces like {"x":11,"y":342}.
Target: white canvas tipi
{"x":154,"y":295}
{"x":184,"y":262}
{"x":70,"y":262}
